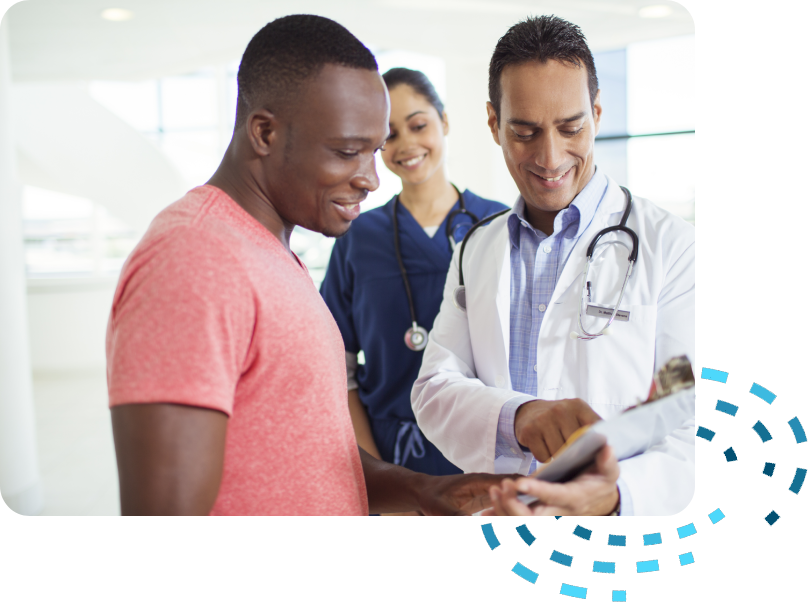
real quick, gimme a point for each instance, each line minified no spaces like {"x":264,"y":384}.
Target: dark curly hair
{"x":287,"y":52}
{"x":540,"y":39}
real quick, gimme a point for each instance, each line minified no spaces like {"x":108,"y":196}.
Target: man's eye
{"x":523,"y":136}
{"x":573,"y":132}
{"x":348,"y":153}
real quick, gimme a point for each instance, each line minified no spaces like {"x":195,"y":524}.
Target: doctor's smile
{"x":552,"y":183}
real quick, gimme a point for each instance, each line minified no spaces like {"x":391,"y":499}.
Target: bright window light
{"x":116,"y":14}
{"x":655,"y":11}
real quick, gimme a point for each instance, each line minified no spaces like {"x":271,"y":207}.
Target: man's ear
{"x":597,"y":110}
{"x":262,"y":131}
{"x":493,"y":122}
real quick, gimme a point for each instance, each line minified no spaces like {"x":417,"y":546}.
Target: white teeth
{"x":413,"y":161}
{"x":553,"y":179}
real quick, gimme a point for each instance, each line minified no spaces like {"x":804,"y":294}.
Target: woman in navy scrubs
{"x":364,"y":287}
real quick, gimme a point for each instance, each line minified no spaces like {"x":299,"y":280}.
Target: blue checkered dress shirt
{"x":537,"y":261}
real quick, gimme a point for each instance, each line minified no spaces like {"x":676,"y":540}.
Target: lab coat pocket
{"x":617,"y":367}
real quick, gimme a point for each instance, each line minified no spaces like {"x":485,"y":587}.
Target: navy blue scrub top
{"x":364,"y":290}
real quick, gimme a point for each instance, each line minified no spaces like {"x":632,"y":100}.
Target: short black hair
{"x":417,"y":81}
{"x":288,"y":51}
{"x":540,"y":39}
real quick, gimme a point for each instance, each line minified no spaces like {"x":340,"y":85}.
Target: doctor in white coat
{"x":504,"y":383}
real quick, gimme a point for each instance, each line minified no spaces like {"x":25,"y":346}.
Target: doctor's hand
{"x":592,"y":493}
{"x":544,"y":426}
{"x":461,"y":494}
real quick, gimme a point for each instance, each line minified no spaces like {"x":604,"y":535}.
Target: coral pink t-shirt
{"x":211,"y":311}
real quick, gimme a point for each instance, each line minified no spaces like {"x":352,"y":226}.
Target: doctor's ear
{"x":597,"y":109}
{"x":493,"y":122}
{"x":261,"y":129}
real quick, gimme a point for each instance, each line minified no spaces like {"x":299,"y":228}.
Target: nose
{"x":549,"y":154}
{"x":366,"y":178}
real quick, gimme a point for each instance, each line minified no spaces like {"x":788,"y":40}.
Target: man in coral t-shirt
{"x":226,"y":371}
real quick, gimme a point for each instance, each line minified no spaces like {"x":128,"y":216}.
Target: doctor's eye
{"x":573,"y":132}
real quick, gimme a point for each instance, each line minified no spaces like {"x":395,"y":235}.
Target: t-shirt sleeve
{"x":181,"y":324}
{"x":337,"y":292}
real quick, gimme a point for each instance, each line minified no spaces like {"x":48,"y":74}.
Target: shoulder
{"x":666,"y":227}
{"x":481,"y":206}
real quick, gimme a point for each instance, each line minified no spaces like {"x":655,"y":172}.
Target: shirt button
{"x":547,"y":249}
{"x":500,"y":381}
{"x":535,"y":367}
{"x":542,"y":307}
{"x":513,"y":451}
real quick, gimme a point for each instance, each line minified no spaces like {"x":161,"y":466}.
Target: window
{"x":71,"y":236}
{"x":647,"y":137}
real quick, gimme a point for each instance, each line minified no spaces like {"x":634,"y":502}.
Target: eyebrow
{"x":524,"y":122}
{"x":407,"y":118}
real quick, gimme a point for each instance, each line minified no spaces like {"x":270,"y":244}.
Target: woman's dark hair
{"x":417,"y":81}
{"x":540,"y":39}
{"x":287,"y":52}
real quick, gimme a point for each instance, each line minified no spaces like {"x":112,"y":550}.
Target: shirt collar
{"x":570,"y":222}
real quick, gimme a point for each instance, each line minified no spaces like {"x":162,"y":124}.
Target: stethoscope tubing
{"x":416,"y":337}
{"x":459,"y":292}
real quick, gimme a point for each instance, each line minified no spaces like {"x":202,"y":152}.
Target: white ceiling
{"x":68,"y":40}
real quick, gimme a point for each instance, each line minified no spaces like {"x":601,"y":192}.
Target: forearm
{"x":361,"y":424}
{"x":391,"y":488}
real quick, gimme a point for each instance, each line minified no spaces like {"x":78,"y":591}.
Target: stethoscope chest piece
{"x":416,"y":337}
{"x":459,"y":297}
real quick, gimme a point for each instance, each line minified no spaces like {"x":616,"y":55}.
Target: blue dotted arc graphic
{"x":587,"y":571}
{"x":605,"y":567}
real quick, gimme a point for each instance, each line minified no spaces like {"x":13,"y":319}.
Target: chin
{"x":336,"y":232}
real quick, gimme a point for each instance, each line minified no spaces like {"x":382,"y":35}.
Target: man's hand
{"x":592,"y":493}
{"x":453,"y":495}
{"x":544,"y":426}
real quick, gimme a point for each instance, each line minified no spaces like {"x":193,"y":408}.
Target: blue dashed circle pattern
{"x":651,"y":550}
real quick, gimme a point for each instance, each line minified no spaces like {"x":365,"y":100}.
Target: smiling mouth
{"x":412,"y":161}
{"x":554,"y":179}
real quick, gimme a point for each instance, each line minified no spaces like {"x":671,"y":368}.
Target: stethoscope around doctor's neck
{"x":416,"y":336}
{"x":459,"y":294}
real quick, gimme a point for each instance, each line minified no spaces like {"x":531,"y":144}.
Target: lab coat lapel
{"x":502,"y":261}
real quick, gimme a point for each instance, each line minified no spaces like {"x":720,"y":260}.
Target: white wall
{"x":67,"y":322}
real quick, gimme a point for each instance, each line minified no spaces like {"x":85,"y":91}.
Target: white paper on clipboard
{"x":629,"y":434}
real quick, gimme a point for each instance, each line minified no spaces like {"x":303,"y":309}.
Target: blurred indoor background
{"x":109,"y":111}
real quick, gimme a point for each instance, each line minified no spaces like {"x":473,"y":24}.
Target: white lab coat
{"x":465,"y":378}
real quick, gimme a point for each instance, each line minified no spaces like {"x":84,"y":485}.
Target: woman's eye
{"x":418,"y":127}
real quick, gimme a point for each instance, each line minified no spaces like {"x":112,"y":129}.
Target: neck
{"x":238,"y":179}
{"x":429,"y":201}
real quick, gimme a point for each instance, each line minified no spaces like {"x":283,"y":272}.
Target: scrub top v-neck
{"x":365,"y":292}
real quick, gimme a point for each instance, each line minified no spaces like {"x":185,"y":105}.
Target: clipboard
{"x":671,"y":403}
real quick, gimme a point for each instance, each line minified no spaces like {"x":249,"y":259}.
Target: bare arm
{"x":361,"y":424}
{"x":170,"y":458}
